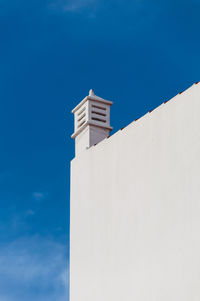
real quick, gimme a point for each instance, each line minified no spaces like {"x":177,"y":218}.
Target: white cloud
{"x":33,"y":269}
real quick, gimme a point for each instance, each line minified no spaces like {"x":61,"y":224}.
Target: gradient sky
{"x":137,"y":53}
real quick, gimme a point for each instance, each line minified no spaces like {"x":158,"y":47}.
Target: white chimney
{"x":91,"y":121}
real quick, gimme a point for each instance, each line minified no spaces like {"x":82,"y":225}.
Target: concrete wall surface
{"x":135,"y":209}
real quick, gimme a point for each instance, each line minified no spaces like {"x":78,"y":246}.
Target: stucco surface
{"x":135,"y":209}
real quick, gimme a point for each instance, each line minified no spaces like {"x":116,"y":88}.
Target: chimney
{"x":91,"y":121}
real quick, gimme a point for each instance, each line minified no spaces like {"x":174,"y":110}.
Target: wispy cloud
{"x":74,"y":5}
{"x":33,"y":269}
{"x":29,"y":212}
{"x":39,"y":196}
{"x":4,"y":174}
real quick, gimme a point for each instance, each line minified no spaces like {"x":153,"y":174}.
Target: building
{"x":135,"y":203}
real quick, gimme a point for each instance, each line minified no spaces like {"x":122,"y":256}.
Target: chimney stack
{"x":91,"y":121}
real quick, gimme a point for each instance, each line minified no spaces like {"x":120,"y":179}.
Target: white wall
{"x":135,"y":209}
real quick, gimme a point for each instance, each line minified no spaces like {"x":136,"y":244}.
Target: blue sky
{"x":137,"y":53}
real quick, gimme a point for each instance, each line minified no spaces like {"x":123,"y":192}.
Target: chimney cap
{"x":91,"y":92}
{"x":91,"y":121}
{"x":94,"y":97}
